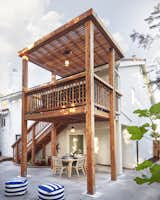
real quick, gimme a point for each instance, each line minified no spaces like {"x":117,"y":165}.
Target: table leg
{"x":69,"y":169}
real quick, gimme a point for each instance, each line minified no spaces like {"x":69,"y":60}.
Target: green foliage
{"x":142,"y":113}
{"x":155,"y":109}
{"x":141,"y":181}
{"x":137,"y":132}
{"x":154,"y":173}
{"x":144,"y":165}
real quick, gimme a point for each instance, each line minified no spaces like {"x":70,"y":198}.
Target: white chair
{"x":80,"y":165}
{"x":57,"y":165}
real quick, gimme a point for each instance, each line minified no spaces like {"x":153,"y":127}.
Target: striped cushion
{"x":51,"y":191}
{"x":16,"y":186}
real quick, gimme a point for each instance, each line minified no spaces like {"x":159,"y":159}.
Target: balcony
{"x":66,"y":96}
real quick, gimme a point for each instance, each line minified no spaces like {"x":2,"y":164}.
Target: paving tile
{"x":123,"y":188}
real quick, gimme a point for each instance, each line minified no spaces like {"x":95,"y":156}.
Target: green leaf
{"x":155,"y":109}
{"x":144,"y":165}
{"x":155,"y":174}
{"x":154,"y":126}
{"x":146,"y":125}
{"x":136,"y":132}
{"x":141,"y":181}
{"x":142,"y":113}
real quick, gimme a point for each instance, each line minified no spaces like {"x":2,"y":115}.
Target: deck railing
{"x":39,"y":128}
{"x":66,"y":93}
{"x":63,"y":94}
{"x":101,"y":94}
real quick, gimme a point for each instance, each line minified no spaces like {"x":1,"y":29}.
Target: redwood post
{"x":53,"y":140}
{"x":24,"y":109}
{"x":43,"y":151}
{"x":112,"y":114}
{"x":90,"y":127}
{"x":53,"y":77}
{"x":33,"y":156}
{"x":17,"y":154}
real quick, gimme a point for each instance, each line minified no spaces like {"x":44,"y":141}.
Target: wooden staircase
{"x":40,"y":133}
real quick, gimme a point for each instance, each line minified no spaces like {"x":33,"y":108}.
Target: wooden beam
{"x":17,"y":154}
{"x":58,"y":82}
{"x":112,"y":114}
{"x":24,"y":121}
{"x":69,"y":26}
{"x":33,"y":156}
{"x":43,"y":151}
{"x":53,"y":77}
{"x":90,"y":128}
{"x":57,"y":114}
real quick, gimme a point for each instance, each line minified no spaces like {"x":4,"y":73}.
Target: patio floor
{"x":123,"y":188}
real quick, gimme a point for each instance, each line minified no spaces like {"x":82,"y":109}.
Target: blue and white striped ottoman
{"x":51,"y":191}
{"x":16,"y":186}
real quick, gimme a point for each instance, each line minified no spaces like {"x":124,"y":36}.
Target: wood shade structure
{"x":73,"y":51}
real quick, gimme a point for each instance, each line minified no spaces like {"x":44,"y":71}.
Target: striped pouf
{"x":51,"y":191}
{"x":16,"y":186}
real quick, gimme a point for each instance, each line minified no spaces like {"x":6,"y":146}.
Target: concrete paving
{"x":122,"y":189}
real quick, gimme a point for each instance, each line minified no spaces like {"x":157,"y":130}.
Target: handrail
{"x":29,"y":131}
{"x":64,"y":94}
{"x":103,"y":82}
{"x":57,"y":83}
{"x":38,"y":130}
{"x":31,"y":127}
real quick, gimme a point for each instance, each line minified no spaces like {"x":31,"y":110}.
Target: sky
{"x":24,"y":21}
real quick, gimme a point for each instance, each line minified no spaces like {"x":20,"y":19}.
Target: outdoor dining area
{"x":69,"y":164}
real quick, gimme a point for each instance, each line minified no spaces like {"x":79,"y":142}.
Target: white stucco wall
{"x":135,"y":96}
{"x":102,"y":149}
{"x":12,"y":127}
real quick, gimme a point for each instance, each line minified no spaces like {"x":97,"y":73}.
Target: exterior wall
{"x":12,"y":127}
{"x":135,"y":96}
{"x":102,"y":149}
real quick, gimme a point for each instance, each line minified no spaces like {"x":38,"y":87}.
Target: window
{"x":2,"y":122}
{"x":17,"y":136}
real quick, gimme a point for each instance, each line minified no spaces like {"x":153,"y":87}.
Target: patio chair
{"x":80,"y":165}
{"x":57,"y":165}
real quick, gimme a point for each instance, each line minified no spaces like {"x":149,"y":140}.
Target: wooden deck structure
{"x":72,"y":51}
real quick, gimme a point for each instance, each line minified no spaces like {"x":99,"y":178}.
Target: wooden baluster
{"x":72,"y":93}
{"x":79,"y":92}
{"x":83,"y":93}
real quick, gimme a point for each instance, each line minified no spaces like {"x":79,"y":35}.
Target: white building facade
{"x":136,"y":95}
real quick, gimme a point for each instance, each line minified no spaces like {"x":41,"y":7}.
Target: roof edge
{"x":75,"y":22}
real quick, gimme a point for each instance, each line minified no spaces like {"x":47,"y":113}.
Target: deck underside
{"x":76,"y":114}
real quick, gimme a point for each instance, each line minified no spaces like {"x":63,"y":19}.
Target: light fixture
{"x":67,"y":53}
{"x":66,"y":63}
{"x":73,"y":129}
